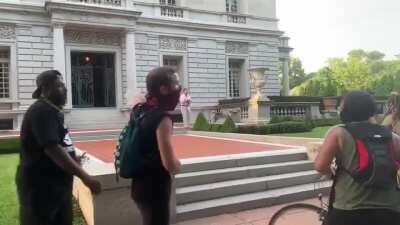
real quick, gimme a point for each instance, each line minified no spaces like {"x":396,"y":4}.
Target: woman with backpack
{"x":365,"y":187}
{"x":151,"y":186}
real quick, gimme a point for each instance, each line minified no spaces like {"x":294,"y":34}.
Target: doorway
{"x":93,"y":80}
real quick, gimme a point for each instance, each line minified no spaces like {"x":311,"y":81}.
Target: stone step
{"x":240,"y":160}
{"x":219,"y":175}
{"x":248,"y":201}
{"x":241,"y":186}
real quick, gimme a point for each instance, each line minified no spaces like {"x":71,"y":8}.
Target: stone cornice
{"x":22,"y":7}
{"x":205,"y":26}
{"x":94,"y":9}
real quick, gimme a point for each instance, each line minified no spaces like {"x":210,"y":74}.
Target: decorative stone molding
{"x":237,"y":47}
{"x":90,"y":37}
{"x":7,"y":31}
{"x":173,"y":43}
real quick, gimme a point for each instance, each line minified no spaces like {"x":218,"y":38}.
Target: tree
{"x":296,"y":72}
{"x":360,"y":70}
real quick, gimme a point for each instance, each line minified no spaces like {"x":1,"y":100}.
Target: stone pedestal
{"x":259,"y":112}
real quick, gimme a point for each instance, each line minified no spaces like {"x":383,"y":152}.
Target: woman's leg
{"x":152,"y":196}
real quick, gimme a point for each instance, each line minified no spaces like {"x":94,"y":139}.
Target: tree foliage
{"x":361,"y":70}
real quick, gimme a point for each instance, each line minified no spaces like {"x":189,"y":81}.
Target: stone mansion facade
{"x":104,"y":49}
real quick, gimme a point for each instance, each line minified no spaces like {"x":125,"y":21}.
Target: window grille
{"x":234,"y":79}
{"x":4,"y":73}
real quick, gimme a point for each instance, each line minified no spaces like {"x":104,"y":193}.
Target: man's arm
{"x":68,"y":164}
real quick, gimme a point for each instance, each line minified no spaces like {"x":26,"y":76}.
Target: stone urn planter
{"x":330,"y":103}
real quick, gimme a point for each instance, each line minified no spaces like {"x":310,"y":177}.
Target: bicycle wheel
{"x":297,"y":214}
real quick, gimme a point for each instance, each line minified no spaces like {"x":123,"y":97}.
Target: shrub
{"x":228,"y":126}
{"x":324,"y":122}
{"x":10,"y":145}
{"x":201,"y":123}
{"x":215,"y":127}
{"x":275,"y":128}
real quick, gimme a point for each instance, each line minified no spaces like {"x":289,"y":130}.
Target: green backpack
{"x":128,"y":158}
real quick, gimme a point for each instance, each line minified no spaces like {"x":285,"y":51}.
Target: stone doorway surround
{"x":69,"y":15}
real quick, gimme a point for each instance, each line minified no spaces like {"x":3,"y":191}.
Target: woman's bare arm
{"x":396,"y":146}
{"x":332,"y":144}
{"x":168,"y":157}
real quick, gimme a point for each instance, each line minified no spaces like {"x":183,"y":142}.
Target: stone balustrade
{"x":232,"y":18}
{"x":238,"y":109}
{"x":171,"y":11}
{"x":295,"y":109}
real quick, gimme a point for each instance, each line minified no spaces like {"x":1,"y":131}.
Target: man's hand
{"x":92,"y":184}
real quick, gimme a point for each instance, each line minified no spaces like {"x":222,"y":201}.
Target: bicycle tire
{"x":288,"y":208}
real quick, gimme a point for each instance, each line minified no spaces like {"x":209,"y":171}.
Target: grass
{"x":9,"y":204}
{"x":8,"y":194}
{"x":318,"y":132}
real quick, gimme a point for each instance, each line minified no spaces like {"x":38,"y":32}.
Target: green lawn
{"x":8,"y":195}
{"x":318,"y":132}
{"x":8,"y":203}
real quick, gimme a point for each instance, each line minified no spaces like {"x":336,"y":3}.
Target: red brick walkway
{"x":185,"y":146}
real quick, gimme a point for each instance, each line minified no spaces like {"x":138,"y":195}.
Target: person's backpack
{"x":131,"y":156}
{"x":376,"y":165}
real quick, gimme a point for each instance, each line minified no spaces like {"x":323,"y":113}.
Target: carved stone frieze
{"x":7,"y":31}
{"x":173,"y":43}
{"x":92,"y":37}
{"x":237,"y":47}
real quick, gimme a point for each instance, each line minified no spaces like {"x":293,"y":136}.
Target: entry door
{"x":93,"y":80}
{"x":82,"y":86}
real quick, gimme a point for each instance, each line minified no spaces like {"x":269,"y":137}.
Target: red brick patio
{"x":185,"y":146}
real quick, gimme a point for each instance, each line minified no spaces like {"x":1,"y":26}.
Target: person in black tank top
{"x":151,"y":188}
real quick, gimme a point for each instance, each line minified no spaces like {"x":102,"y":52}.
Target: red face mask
{"x":170,"y":101}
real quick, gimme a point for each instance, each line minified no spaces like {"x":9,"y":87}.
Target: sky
{"x":321,"y":29}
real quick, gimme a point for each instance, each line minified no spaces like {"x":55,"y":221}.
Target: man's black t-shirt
{"x":43,"y":126}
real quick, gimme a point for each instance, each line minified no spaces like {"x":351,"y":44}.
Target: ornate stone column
{"x":284,"y":56}
{"x":285,"y":76}
{"x":130,"y":65}
{"x":59,"y":49}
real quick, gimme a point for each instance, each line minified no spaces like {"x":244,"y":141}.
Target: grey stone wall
{"x":267,"y":55}
{"x":34,"y":55}
{"x":147,"y":57}
{"x":206,"y":71}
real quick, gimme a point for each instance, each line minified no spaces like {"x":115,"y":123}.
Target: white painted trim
{"x":96,"y":48}
{"x":183,"y":54}
{"x":13,"y":71}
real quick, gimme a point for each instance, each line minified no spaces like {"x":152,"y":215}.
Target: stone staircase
{"x":227,"y":184}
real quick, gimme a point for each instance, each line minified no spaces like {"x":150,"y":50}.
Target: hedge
{"x":275,"y":128}
{"x":10,"y":145}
